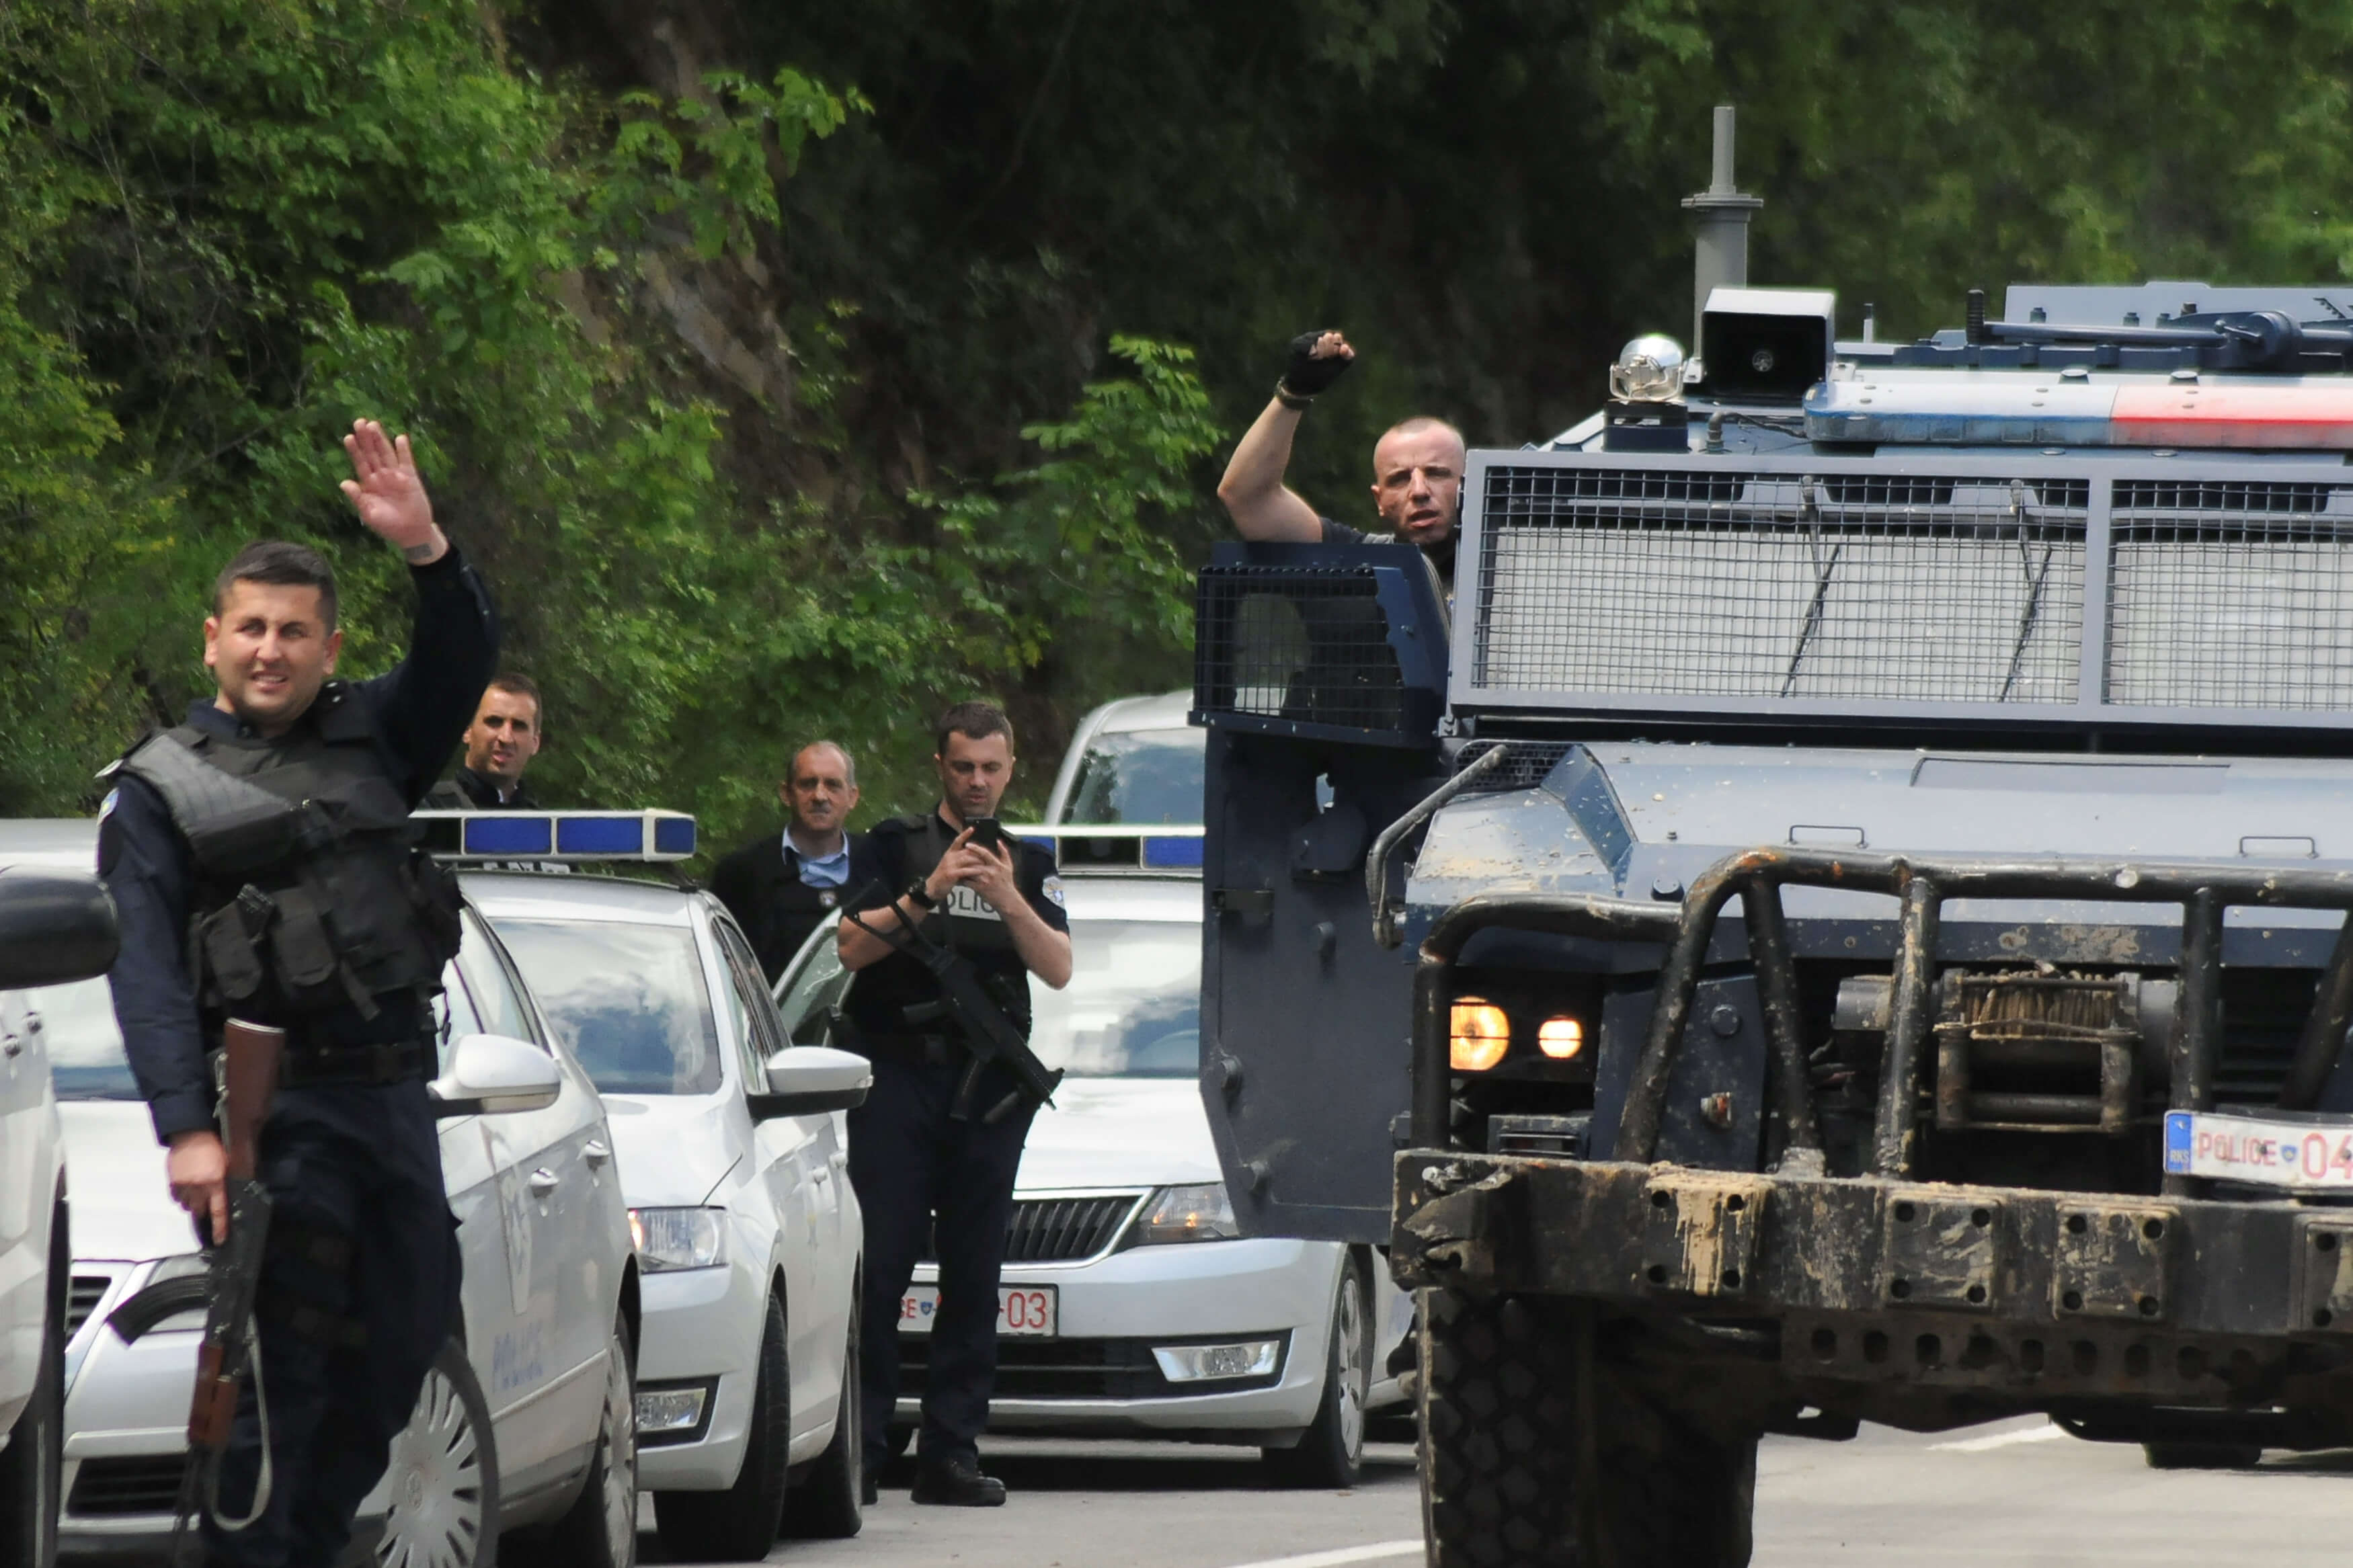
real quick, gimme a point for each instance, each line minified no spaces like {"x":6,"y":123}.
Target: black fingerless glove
{"x":1306,"y":374}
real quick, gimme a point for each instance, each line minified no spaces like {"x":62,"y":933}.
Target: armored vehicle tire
{"x":31,"y":1464}
{"x":1332,"y":1450}
{"x":741,"y":1524}
{"x":2202,"y":1456}
{"x":822,"y":1503}
{"x":1500,"y":1451}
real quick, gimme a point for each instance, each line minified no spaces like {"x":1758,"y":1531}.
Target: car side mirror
{"x":807,"y":1080}
{"x":54,"y":928}
{"x":492,"y":1075}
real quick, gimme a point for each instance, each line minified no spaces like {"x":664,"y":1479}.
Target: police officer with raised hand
{"x":260,"y":861}
{"x":780,"y":886}
{"x":925,"y":1155}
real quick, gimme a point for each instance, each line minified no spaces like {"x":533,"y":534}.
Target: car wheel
{"x":30,"y":1465}
{"x":443,"y":1475}
{"x":600,"y":1529}
{"x":741,"y":1523}
{"x":823,"y":1504}
{"x":1332,"y":1449}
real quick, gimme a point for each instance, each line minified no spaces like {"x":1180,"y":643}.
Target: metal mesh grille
{"x":1757,"y":586}
{"x":1306,"y":644}
{"x":2230,"y":595}
{"x":1061,"y":1230}
{"x":1525,"y":766}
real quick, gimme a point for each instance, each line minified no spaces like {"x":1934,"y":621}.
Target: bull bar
{"x":1914,"y":1301}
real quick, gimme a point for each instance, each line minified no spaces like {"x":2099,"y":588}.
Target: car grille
{"x":1073,"y":1369}
{"x":139,"y":1483}
{"x":1061,"y":1230}
{"x":83,"y":1293}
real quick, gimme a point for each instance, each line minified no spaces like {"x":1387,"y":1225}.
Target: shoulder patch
{"x":1053,"y":890}
{"x":106,"y":807}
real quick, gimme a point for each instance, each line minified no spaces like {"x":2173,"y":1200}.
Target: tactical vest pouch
{"x":228,"y":953}
{"x":433,"y":892}
{"x":303,"y":941}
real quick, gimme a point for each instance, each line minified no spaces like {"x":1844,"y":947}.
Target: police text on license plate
{"x":1022,"y":1311}
{"x":2270,"y":1150}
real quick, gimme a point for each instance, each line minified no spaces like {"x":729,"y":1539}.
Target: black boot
{"x":957,"y":1483}
{"x":869,"y":1493}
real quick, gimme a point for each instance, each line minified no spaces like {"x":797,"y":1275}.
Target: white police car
{"x":528,"y":1421}
{"x":1134,"y":761}
{"x":1131,"y":1303}
{"x":731,"y":1151}
{"x":54,"y":929}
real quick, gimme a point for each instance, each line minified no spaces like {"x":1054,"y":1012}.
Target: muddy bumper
{"x":1873,"y":1295}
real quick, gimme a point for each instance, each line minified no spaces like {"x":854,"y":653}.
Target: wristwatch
{"x":923,"y":900}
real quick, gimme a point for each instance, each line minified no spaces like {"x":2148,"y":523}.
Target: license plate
{"x":2273,"y":1151}
{"x":1023,"y":1311}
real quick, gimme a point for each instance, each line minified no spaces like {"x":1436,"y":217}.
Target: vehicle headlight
{"x":666,"y":1239}
{"x":1561,"y":1037}
{"x":1188,"y":1214}
{"x":1481,"y":1033}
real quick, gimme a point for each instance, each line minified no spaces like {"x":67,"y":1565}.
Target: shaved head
{"x":1418,"y":480}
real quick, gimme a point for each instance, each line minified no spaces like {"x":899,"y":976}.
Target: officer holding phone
{"x":926,"y":1161}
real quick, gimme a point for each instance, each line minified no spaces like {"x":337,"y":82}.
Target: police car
{"x":1130,"y":1302}
{"x":1135,"y":760}
{"x":731,"y":1149}
{"x":54,"y":929}
{"x":528,"y":1421}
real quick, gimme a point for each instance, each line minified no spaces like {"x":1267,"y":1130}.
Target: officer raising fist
{"x":263,"y":869}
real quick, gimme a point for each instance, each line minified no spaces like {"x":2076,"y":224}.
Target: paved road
{"x":2018,"y":1494}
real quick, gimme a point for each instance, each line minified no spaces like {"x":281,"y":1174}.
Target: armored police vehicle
{"x":1846,"y":924}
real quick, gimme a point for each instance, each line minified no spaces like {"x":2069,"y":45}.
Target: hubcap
{"x":437,"y":1465}
{"x":1348,"y":1324}
{"x":618,"y":1449}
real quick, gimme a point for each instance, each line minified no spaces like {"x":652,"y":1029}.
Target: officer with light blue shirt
{"x":781,"y":888}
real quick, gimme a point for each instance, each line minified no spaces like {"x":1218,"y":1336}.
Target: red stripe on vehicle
{"x":2188,"y":414}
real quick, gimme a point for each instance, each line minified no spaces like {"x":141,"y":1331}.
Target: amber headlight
{"x":1561,"y":1037}
{"x":1481,"y":1033}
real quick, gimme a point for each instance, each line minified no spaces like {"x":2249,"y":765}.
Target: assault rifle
{"x":988,"y":1034}
{"x":248,"y":1076}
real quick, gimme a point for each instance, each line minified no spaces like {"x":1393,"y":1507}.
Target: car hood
{"x":1119,"y":1132}
{"x":122,"y":1206}
{"x":672,"y":1150}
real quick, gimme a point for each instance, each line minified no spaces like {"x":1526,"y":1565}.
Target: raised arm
{"x":426,"y":702}
{"x":1262,"y":505}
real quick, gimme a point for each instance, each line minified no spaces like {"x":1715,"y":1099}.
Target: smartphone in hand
{"x":988,"y":833}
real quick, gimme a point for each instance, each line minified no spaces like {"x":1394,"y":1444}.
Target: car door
{"x":802,"y":1181}
{"x":470,"y":1178}
{"x":542,"y":1367}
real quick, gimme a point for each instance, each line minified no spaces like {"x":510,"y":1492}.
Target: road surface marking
{"x":1378,"y":1552}
{"x":2000,"y":1440}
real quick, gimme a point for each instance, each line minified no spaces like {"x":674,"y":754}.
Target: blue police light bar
{"x":1111,"y":847}
{"x":568,"y":836}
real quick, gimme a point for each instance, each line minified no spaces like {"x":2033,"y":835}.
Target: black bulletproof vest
{"x":310,"y":893}
{"x":880,"y":1000}
{"x":964,"y":919}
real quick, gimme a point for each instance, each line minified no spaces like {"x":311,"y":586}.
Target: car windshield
{"x":1133,"y":1008}
{"x":629,"y":1000}
{"x":86,"y":1059}
{"x":1139,"y":775}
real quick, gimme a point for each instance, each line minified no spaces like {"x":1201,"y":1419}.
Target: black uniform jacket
{"x":885,"y":989}
{"x":761,"y":884}
{"x":418,"y":711}
{"x":467,"y":789}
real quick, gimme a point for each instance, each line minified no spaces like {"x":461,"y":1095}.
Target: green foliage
{"x":774,"y":407}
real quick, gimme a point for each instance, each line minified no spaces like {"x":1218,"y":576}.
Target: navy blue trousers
{"x":919,"y":1172}
{"x":359,"y":1289}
